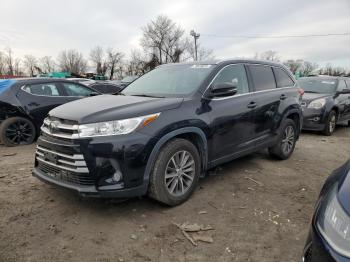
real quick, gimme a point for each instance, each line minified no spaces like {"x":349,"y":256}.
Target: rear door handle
{"x":283,"y":96}
{"x":252,"y":105}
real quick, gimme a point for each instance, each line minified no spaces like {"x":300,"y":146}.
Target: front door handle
{"x":283,"y":96}
{"x":252,"y":105}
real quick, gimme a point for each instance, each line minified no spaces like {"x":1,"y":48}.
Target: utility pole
{"x":195,"y":36}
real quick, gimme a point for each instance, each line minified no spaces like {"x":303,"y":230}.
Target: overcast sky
{"x":44,"y":27}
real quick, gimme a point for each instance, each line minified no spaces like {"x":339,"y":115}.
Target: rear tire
{"x":330,"y":124}
{"x":16,"y":131}
{"x":284,"y":148}
{"x":175,"y":173}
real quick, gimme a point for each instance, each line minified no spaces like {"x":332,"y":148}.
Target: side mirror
{"x":222,"y":89}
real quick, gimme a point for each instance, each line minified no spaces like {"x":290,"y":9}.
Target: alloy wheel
{"x":19,"y":132}
{"x":288,"y":140}
{"x":179,"y":173}
{"x":332,"y":124}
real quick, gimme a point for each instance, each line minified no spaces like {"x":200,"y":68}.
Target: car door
{"x":39,"y":98}
{"x":230,"y":116}
{"x":267,"y":99}
{"x":342,"y":101}
{"x":347,"y":102}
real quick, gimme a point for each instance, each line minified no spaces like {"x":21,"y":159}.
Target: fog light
{"x":117,"y":176}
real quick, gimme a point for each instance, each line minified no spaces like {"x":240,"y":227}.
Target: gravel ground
{"x":259,"y":209}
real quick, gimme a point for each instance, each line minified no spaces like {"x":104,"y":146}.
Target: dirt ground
{"x":259,"y":208}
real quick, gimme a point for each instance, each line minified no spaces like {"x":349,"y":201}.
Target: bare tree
{"x":97,"y":57}
{"x":293,"y":65}
{"x":2,"y":63}
{"x":47,"y":64}
{"x":163,"y":39}
{"x":114,"y":59}
{"x":31,"y":64}
{"x":17,"y":70}
{"x":270,"y":55}
{"x":72,"y":61}
{"x":307,"y":68}
{"x":202,"y":53}
{"x":9,"y":60}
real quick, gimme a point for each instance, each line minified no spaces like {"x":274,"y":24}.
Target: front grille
{"x":70,"y":168}
{"x":61,"y":128}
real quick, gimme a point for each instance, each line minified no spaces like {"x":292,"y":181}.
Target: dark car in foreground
{"x":329,"y":236}
{"x":167,"y":128}
{"x":24,"y":103}
{"x":326,"y":103}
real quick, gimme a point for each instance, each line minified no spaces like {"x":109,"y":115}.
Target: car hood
{"x":113,"y":107}
{"x":344,"y":188}
{"x":313,"y":96}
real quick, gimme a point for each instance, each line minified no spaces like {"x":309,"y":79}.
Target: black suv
{"x":326,"y":102}
{"x":168,"y":127}
{"x":24,"y":103}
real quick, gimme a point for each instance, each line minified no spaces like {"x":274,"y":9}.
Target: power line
{"x":276,"y":36}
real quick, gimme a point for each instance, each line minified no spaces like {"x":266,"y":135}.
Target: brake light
{"x":301,"y":91}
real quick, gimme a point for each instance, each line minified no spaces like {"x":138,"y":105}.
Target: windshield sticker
{"x":328,"y":82}
{"x":201,"y":66}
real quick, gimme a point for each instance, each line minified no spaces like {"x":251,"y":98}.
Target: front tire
{"x":330,"y":123}
{"x":16,"y":131}
{"x":284,"y":148}
{"x":175,"y":173}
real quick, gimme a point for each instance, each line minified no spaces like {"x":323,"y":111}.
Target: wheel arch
{"x":193,"y":134}
{"x":295,"y":115}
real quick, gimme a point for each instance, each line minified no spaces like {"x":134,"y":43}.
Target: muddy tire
{"x":16,"y":131}
{"x":175,"y":173}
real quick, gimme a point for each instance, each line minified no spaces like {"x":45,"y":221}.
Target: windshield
{"x":171,"y":80}
{"x":321,"y":86}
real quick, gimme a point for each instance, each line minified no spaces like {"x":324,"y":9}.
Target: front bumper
{"x":318,"y":250}
{"x":313,"y":119}
{"x":86,"y":166}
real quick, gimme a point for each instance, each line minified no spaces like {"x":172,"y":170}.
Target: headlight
{"x":317,"y":104}
{"x":334,"y":223}
{"x":118,"y":127}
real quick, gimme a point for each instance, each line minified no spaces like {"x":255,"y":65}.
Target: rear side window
{"x":47,"y":89}
{"x":76,"y":90}
{"x":234,"y":74}
{"x":262,"y":77}
{"x":282,"y":78}
{"x":341,"y":85}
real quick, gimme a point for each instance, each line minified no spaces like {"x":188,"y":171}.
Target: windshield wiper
{"x":145,"y":95}
{"x":311,"y":92}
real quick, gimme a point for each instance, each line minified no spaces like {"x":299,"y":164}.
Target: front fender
{"x":163,"y":140}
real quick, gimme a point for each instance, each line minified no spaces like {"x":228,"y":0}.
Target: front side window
{"x":234,"y":74}
{"x":170,"y":80}
{"x":76,"y":90}
{"x":263,"y":77}
{"x":47,"y":89}
{"x":282,"y":78}
{"x":318,"y":85}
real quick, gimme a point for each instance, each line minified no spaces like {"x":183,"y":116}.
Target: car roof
{"x":324,"y":77}
{"x":230,"y":61}
{"x":33,"y":80}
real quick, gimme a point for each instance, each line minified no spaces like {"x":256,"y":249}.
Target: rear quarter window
{"x":263,"y":77}
{"x":282,"y":78}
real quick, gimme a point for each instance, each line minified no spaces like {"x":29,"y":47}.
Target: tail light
{"x":301,"y":91}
